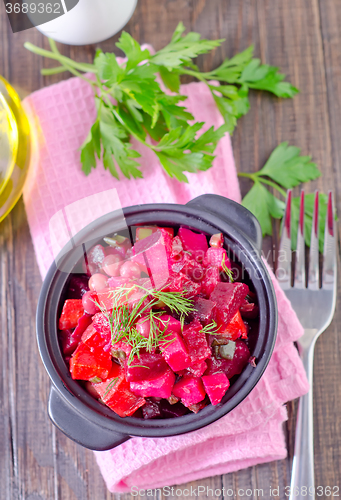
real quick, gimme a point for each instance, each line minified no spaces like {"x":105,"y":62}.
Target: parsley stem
{"x":196,"y":74}
{"x":86,"y":68}
{"x":272,"y":184}
{"x":259,"y":178}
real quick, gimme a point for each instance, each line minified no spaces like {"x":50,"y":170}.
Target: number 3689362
{"x":32,"y":8}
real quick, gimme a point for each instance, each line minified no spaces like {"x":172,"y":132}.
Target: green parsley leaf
{"x":131,"y":103}
{"x":288,"y":168}
{"x":171,"y":79}
{"x":182,"y":49}
{"x":264,"y":77}
{"x":132,"y":50}
{"x":263,"y":205}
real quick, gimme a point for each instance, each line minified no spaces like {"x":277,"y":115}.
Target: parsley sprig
{"x":130,"y":102}
{"x":285,"y":169}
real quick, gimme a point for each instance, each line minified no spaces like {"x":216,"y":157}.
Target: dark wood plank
{"x":37,"y":461}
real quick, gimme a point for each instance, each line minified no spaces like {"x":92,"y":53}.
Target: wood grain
{"x":303,"y":37}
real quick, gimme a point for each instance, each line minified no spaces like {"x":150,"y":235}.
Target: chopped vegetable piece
{"x":159,"y":387}
{"x":228,"y":298}
{"x":217,"y":240}
{"x":83,"y":323}
{"x":216,"y":386}
{"x":153,"y":254}
{"x":210,"y":280}
{"x":146,"y":366}
{"x":72,"y":310}
{"x":190,"y":390}
{"x":216,"y":257}
{"x":87,"y":363}
{"x":196,"y":243}
{"x":173,"y":347}
{"x":236,"y":328}
{"x":196,"y":342}
{"x":204,"y":310}
{"x":116,"y":394}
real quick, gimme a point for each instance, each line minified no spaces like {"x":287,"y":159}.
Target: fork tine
{"x":313,"y":277}
{"x":300,"y":249}
{"x":283,"y":271}
{"x":329,"y":254}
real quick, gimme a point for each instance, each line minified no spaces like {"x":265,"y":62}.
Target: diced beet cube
{"x":72,"y":310}
{"x":68,"y":342}
{"x":194,"y":243}
{"x":151,"y":409}
{"x":235,"y":329}
{"x":116,"y":394}
{"x":204,"y":310}
{"x":190,"y":390}
{"x":216,"y":257}
{"x":173,"y":347}
{"x":188,"y":266}
{"x":228,"y":298}
{"x":249,"y":310}
{"x":196,"y":342}
{"x":78,"y":286}
{"x":181,"y":283}
{"x":146,"y":366}
{"x":172,"y":411}
{"x":197,"y":370}
{"x":102,"y":325}
{"x":153,"y":255}
{"x":230,"y":367}
{"x":83,"y":323}
{"x":216,"y":386}
{"x":210,"y":280}
{"x":159,"y":387}
{"x":87,"y":363}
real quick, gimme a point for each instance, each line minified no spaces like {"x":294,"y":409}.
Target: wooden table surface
{"x":303,"y":38}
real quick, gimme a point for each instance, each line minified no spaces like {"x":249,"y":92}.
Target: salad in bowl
{"x":159,"y":327}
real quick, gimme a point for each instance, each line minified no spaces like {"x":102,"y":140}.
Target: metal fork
{"x":314,"y":307}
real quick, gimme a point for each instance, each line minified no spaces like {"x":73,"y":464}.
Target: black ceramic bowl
{"x":70,"y":406}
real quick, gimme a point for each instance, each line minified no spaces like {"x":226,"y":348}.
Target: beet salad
{"x":158,"y":328}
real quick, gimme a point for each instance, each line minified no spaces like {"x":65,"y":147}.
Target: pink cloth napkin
{"x":61,"y":116}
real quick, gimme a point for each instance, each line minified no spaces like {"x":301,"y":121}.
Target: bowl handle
{"x":78,"y":428}
{"x":233,"y":213}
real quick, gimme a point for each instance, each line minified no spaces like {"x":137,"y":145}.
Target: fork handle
{"x":302,"y":479}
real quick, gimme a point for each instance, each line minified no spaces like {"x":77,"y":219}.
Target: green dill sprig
{"x":110,"y":386}
{"x":211,"y":328}
{"x":226,"y":269}
{"x":122,"y":318}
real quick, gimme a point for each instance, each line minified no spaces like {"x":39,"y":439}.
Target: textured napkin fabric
{"x":61,"y":116}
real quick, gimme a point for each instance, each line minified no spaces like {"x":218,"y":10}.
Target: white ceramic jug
{"x":89,"y":21}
